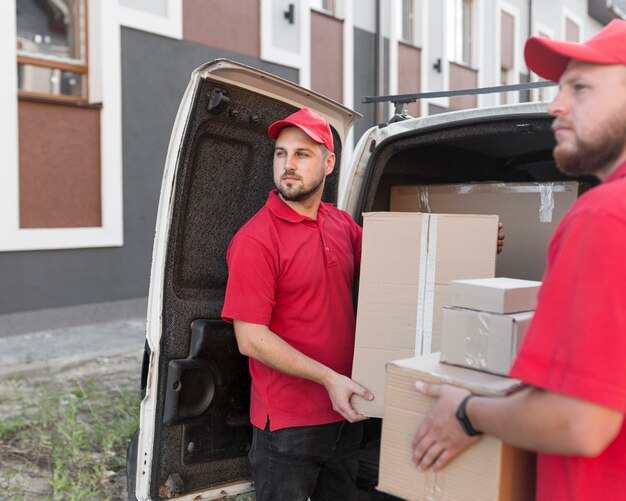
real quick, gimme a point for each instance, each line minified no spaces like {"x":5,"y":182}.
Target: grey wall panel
{"x":155,"y":72}
{"x":364,"y":79}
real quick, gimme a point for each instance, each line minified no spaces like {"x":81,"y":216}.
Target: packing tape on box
{"x":476,"y":346}
{"x":546,"y":193}
{"x":424,"y":200}
{"x":546,"y":207}
{"x":426,"y":286}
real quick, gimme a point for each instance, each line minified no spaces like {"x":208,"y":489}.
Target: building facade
{"x":91,"y":89}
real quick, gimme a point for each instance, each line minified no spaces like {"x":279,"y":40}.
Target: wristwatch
{"x":464,"y":420}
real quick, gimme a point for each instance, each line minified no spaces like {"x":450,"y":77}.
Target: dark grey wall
{"x":364,"y":79}
{"x":155,"y":72}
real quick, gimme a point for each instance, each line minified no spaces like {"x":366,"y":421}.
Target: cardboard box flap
{"x":431,"y":370}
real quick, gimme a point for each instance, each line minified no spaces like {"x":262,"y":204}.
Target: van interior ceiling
{"x":492,"y":152}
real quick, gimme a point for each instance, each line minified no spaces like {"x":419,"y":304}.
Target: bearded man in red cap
{"x":289,"y":296}
{"x":573,"y":359}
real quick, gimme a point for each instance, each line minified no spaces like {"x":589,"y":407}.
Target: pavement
{"x":46,"y":350}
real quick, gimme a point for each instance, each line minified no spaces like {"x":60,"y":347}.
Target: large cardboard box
{"x":482,"y":340}
{"x":528,"y":211}
{"x":497,"y":295}
{"x":490,"y":470}
{"x":408,"y":261}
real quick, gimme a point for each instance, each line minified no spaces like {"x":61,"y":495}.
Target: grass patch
{"x":71,"y":435}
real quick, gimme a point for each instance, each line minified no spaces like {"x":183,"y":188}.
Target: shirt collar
{"x":280,"y":209}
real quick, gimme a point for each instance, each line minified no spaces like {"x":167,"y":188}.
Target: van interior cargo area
{"x":509,"y":150}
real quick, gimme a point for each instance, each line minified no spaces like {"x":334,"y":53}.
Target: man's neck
{"x":307,"y":207}
{"x":607,"y":171}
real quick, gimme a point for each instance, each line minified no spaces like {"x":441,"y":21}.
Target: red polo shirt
{"x":295,"y":275}
{"x":576,"y":343}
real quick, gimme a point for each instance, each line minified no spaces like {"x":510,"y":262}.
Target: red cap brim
{"x":549,"y":58}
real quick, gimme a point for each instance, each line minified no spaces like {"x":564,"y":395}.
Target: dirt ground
{"x":33,"y":471}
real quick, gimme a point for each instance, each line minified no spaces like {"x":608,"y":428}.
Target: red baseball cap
{"x":549,"y":58}
{"x":312,"y":124}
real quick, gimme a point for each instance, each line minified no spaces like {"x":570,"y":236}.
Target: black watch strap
{"x":464,"y":421}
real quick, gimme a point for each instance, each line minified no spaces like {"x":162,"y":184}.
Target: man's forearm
{"x":260,"y":343}
{"x":546,"y":422}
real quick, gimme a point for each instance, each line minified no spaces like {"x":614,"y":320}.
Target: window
{"x":545,"y":94}
{"x":407,"y":21}
{"x":507,"y":52}
{"x":52,"y":48}
{"x":460,"y":31}
{"x":572,"y":30}
{"x":327,"y":6}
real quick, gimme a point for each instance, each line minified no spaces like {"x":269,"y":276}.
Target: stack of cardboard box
{"x":481,"y":334}
{"x":486,"y":321}
{"x":435,"y":234}
{"x":409,"y":262}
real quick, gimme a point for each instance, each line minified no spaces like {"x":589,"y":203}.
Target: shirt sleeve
{"x":251,"y":286}
{"x":576,"y":343}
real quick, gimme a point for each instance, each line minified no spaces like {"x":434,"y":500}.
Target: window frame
{"x":331,"y":8}
{"x":80,"y":66}
{"x":542,"y":94}
{"x":460,"y":43}
{"x":105,"y":88}
{"x":407,"y":22}
{"x":574,"y":18}
{"x":170,"y":26}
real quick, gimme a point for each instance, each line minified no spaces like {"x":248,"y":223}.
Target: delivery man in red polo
{"x":289,"y":294}
{"x":574,"y":355}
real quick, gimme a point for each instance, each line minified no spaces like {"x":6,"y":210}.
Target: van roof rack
{"x":399,"y":100}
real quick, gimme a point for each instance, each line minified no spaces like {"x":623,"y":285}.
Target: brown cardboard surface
{"x":489,"y":470}
{"x":482,"y":340}
{"x":497,"y":295}
{"x":408,"y":261}
{"x":528,"y":211}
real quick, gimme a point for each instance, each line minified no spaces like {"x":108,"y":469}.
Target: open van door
{"x":194,"y":428}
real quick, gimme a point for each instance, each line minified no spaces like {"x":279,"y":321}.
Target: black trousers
{"x":317,"y":462}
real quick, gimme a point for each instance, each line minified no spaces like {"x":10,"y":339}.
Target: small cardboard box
{"x":528,"y":211}
{"x":490,"y":470}
{"x":497,"y":295}
{"x":481,"y":340}
{"x":408,"y":261}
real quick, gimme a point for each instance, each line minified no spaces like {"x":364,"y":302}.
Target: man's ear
{"x":329,"y":164}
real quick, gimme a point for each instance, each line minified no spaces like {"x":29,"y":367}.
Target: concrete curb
{"x":36,"y":369}
{"x":53,"y":350}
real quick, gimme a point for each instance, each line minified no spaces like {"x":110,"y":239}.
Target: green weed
{"x":73,"y":434}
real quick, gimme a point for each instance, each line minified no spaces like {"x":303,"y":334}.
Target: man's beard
{"x":595,"y":155}
{"x":300,"y":192}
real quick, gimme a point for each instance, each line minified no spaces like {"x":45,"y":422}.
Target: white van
{"x":194,"y":432}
